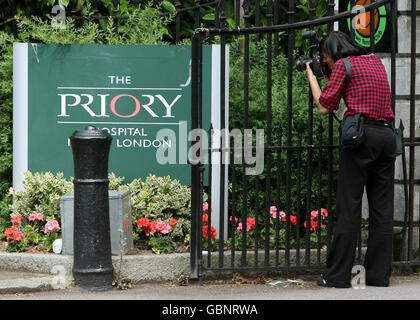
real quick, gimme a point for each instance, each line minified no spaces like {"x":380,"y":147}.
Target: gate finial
{"x":222,"y":6}
{"x":270,"y":12}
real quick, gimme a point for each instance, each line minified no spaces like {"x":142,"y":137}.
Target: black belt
{"x":376,"y":122}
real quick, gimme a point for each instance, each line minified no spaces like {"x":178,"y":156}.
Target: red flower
{"x":17,"y":236}
{"x":250,"y":224}
{"x":51,"y":225}
{"x":39,"y":217}
{"x":143,"y":222}
{"x":284,"y":218}
{"x":164,"y":228}
{"x":147,"y":229}
{"x":273,"y":211}
{"x":212,"y":232}
{"x":13,"y":233}
{"x":9,"y":231}
{"x":236,"y":219}
{"x":314,"y":224}
{"x":16,"y":220}
{"x":36,"y":217}
{"x":159,"y":226}
{"x":154,"y":226}
{"x":173,"y":221}
{"x":146,"y":225}
{"x":205,"y":217}
{"x":324,"y":214}
{"x":206,"y":207}
{"x":314,"y":215}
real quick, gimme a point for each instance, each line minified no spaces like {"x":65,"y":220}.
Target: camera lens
{"x":301,"y":64}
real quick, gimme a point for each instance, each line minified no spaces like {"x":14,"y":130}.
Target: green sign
{"x":130,"y":91}
{"x":361,"y":24}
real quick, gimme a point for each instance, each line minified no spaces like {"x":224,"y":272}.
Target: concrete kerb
{"x":16,"y":282}
{"x":30,"y":272}
{"x":146,"y":267}
{"x":139,"y":268}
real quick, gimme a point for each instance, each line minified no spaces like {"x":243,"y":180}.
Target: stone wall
{"x":402,"y":112}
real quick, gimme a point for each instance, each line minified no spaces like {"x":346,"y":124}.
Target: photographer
{"x":369,"y":165}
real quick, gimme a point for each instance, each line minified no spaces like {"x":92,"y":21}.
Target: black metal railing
{"x":283,"y":176}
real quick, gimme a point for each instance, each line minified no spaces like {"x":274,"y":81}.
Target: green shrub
{"x":159,"y":198}
{"x":5,"y":211}
{"x":6,"y":108}
{"x":42,"y":194}
{"x":31,"y":234}
{"x":162,"y":244}
{"x":115,"y":183}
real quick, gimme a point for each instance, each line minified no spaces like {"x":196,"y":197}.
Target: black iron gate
{"x":282,"y":217}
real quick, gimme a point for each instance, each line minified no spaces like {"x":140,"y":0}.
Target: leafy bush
{"x":42,"y":194}
{"x":32,"y":233}
{"x":143,"y":26}
{"x":5,"y":205}
{"x":6,"y":108}
{"x":162,"y":244}
{"x":159,"y":198}
{"x":162,"y":201}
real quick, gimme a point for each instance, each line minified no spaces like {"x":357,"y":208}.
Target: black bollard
{"x":92,"y":266}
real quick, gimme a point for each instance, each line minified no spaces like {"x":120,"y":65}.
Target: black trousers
{"x":370,"y":166}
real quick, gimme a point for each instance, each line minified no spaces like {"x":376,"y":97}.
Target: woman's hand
{"x":316,"y":90}
{"x":309,"y":71}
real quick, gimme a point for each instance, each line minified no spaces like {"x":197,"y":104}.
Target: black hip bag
{"x":352,"y":133}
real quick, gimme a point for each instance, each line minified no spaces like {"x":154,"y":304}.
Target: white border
{"x":20,"y":113}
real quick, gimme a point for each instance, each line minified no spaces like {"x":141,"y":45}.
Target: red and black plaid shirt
{"x":367,"y":93}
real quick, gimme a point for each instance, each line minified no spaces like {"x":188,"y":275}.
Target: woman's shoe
{"x":323,"y":283}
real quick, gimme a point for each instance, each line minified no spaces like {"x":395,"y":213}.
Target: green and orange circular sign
{"x":361,"y":23}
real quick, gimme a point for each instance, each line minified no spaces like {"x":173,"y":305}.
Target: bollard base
{"x":94,"y":280}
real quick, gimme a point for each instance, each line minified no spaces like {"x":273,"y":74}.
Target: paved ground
{"x":402,"y":288}
{"x":22,"y":282}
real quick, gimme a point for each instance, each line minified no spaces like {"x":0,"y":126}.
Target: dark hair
{"x":339,"y":45}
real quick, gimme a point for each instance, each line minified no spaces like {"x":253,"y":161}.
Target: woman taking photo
{"x":370,"y":165}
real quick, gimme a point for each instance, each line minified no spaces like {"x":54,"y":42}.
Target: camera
{"x":319,"y":68}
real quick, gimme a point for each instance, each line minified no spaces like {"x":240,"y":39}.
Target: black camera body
{"x":319,"y":68}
